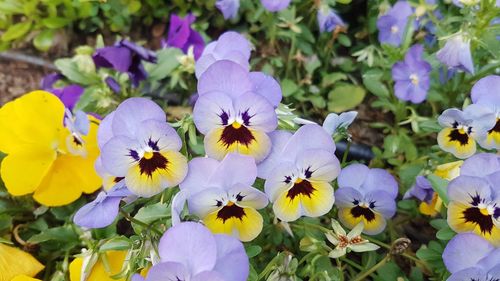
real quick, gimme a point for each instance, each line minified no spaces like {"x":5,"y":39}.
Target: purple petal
{"x":158,"y":135}
{"x":230,"y":42}
{"x":481,"y":165}
{"x":228,"y":8}
{"x":113,"y":84}
{"x":333,"y":121}
{"x":308,"y":137}
{"x":199,"y":170}
{"x":131,"y":112}
{"x":422,"y":190}
{"x":468,"y":190}
{"x":275,"y":5}
{"x":452,"y":115}
{"x":267,"y":87}
{"x":190,"y":244}
{"x":227,"y":77}
{"x":99,"y":213}
{"x":105,"y":131}
{"x":353,"y":176}
{"x":345,"y":196}
{"x":168,"y":271}
{"x":208,"y":275}
{"x":279,"y":139}
{"x":465,"y":250}
{"x":383,"y":201}
{"x":232,"y":261}
{"x":48,"y":81}
{"x":212,"y":110}
{"x":69,"y":95}
{"x":256,"y":112}
{"x":471,"y":273}
{"x":118,"y":154}
{"x":143,"y":53}
{"x":119,"y":58}
{"x":233,"y":169}
{"x":485,"y":88}
{"x":178,"y":31}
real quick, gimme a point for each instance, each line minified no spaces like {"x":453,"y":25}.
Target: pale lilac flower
{"x":275,"y":5}
{"x":188,"y":251}
{"x":333,"y":121}
{"x":422,"y":190}
{"x":412,"y":76}
{"x":366,"y":195}
{"x":328,"y":20}
{"x":182,"y":36}
{"x":392,"y":25}
{"x":298,"y":173}
{"x":228,"y":8}
{"x":456,"y":54}
{"x":230,"y":46}
{"x":485,"y":95}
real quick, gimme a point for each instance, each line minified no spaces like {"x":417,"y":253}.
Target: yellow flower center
{"x":484,"y":211}
{"x":461,"y":131}
{"x":414,"y":79}
{"x":299,"y":180}
{"x":230,"y":203}
{"x":148,"y":155}
{"x":236,"y":125}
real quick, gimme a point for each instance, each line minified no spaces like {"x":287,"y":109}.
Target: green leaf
{"x":345,"y":97}
{"x":11,"y":7}
{"x":253,"y":250}
{"x":16,"y":31}
{"x":371,"y":80}
{"x":55,"y":22}
{"x":332,"y":78}
{"x":445,"y":234}
{"x":70,"y":69}
{"x":44,"y":40}
{"x":60,"y":237}
{"x":288,"y":87}
{"x":116,"y":244}
{"x":151,"y":213}
{"x":439,"y":185}
{"x":167,"y":62}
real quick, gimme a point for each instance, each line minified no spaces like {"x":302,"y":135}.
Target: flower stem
{"x":131,"y":219}
{"x":346,"y":152}
{"x":367,"y":273}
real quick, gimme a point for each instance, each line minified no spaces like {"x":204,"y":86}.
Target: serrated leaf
{"x":345,"y":97}
{"x":16,"y":31}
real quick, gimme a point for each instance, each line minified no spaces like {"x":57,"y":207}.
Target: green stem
{"x":339,"y":265}
{"x":346,"y":152}
{"x":131,"y":219}
{"x":367,"y":273}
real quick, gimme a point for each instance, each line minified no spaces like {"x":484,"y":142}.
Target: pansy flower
{"x":125,"y":57}
{"x":275,"y":5}
{"x":16,"y":263}
{"x":45,"y":157}
{"x":366,"y":195}
{"x":182,"y":36}
{"x":235,"y":110}
{"x":456,"y":53}
{"x":334,"y":122}
{"x":392,"y":25}
{"x":474,"y":206}
{"x":486,"y":95}
{"x":142,"y":148}
{"x":110,"y":264}
{"x":222,"y":196}
{"x":328,"y":20}
{"x":299,"y":171}
{"x":461,"y":128}
{"x":188,"y":251}
{"x":228,"y":8}
{"x":69,"y":94}
{"x":412,"y":76}
{"x":230,"y":46}
{"x":471,"y":258}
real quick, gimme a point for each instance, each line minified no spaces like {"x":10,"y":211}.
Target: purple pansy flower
{"x":470,"y":257}
{"x":298,"y":173}
{"x":230,"y":46}
{"x":333,"y":121}
{"x":422,"y":190}
{"x":126,"y":57}
{"x":188,"y":251}
{"x":69,"y":95}
{"x":221,"y":194}
{"x":456,"y":54}
{"x":392,"y":25}
{"x":275,"y":5}
{"x":412,"y":76}
{"x":328,"y":20}
{"x":366,"y":195}
{"x":138,"y":145}
{"x":182,"y":36}
{"x":228,"y":8}
{"x":235,"y":110}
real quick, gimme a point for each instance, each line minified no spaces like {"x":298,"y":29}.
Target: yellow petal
{"x":372,"y":227}
{"x":455,"y":147}
{"x":99,"y":272}
{"x":449,"y":171}
{"x":14,"y":262}
{"x":35,"y":119}
{"x":245,"y":229}
{"x":23,"y":172}
{"x":24,"y":278}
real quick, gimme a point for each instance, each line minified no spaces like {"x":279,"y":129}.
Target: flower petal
{"x":199,"y":170}
{"x":15,"y":262}
{"x":319,"y":164}
{"x":212,"y":110}
{"x":130,"y":113}
{"x":168,"y":271}
{"x":158,"y":135}
{"x":246,"y":229}
{"x":301,"y":140}
{"x":465,"y":250}
{"x":279,"y":139}
{"x":98,"y":213}
{"x":232,"y":260}
{"x":225,"y":76}
{"x":256,"y":112}
{"x":119,"y":154}
{"x":266,"y":86}
{"x":234,"y":169}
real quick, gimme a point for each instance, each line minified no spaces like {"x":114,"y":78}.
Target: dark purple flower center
{"x":118,"y":179}
{"x":236,"y":133}
{"x":480,"y":217}
{"x":231,"y":210}
{"x":460,"y":136}
{"x":300,"y":187}
{"x":362,"y":211}
{"x":152,"y":161}
{"x":495,"y":129}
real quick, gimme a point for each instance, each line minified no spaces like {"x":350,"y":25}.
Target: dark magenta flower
{"x":392,"y":25}
{"x":412,"y":76}
{"x":182,"y":36}
{"x":126,"y":57}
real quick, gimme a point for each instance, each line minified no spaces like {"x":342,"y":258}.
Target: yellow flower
{"x":24,"y":278}
{"x":14,"y":262}
{"x":43,"y":156}
{"x":100,"y":271}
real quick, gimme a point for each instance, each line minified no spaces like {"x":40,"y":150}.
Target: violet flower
{"x":485,"y":95}
{"x":188,"y":251}
{"x":412,"y":76}
{"x":456,"y":54}
{"x":228,"y":8}
{"x":230,"y":46}
{"x":113,"y":84}
{"x":366,"y":195}
{"x":328,"y":20}
{"x":126,"y":57}
{"x":182,"y":36}
{"x":392,"y":25}
{"x":333,"y":121}
{"x":275,"y":5}
{"x":69,"y":94}
{"x":422,"y":190}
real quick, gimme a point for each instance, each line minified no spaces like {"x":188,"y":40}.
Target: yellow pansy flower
{"x":15,"y":262}
{"x":45,"y":157}
{"x":100,"y":271}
